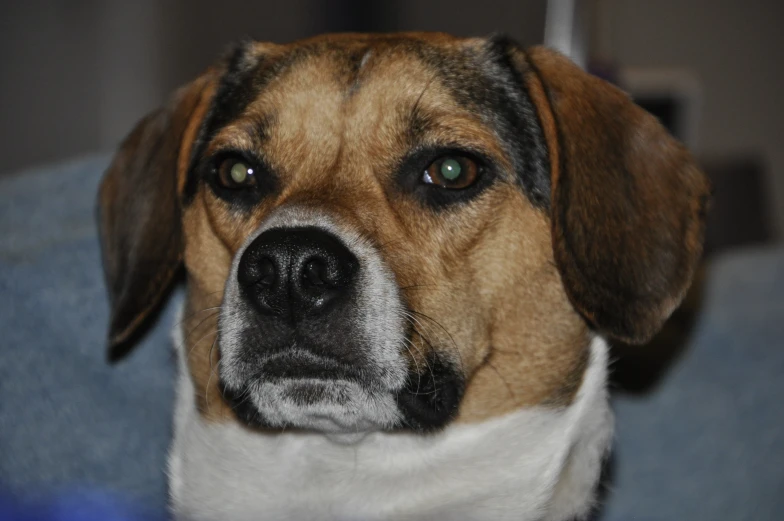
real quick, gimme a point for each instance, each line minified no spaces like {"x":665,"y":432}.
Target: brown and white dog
{"x":403,"y":256}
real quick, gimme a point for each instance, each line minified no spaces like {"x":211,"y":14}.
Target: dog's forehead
{"x":342,"y":61}
{"x":354,"y":97}
{"x":323,"y":82}
{"x":346,"y":55}
{"x":377,"y":96}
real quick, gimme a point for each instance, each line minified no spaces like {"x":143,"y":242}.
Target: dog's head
{"x":397,"y":230}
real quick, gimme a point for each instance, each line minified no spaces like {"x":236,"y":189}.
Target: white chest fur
{"x":533,"y":464}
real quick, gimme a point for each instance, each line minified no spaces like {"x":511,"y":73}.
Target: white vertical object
{"x":566,"y":28}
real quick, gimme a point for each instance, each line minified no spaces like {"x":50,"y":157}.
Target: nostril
{"x":314,"y":273}
{"x":255,"y":269}
{"x":266,"y":272}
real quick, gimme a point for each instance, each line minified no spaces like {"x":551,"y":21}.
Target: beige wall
{"x":737,"y":50}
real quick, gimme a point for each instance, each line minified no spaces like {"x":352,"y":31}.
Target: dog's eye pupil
{"x":450,"y":169}
{"x":233,"y":173}
{"x":454,"y":172}
{"x":239,"y":173}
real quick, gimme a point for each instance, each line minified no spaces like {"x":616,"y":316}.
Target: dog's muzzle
{"x":313,"y":336}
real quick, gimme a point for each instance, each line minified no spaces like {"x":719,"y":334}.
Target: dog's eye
{"x":454,"y":172}
{"x":236,"y":173}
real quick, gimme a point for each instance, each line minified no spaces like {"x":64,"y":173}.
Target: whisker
{"x":210,"y":332}
{"x":420,"y":393}
{"x":416,"y":364}
{"x":422,"y":354}
{"x":243,"y":398}
{"x":212,"y":349}
{"x":451,"y":338}
{"x":191,"y":315}
{"x":429,"y":343}
{"x":207,"y":385}
{"x":187,"y":336}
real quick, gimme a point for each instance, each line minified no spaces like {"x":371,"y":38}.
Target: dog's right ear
{"x":139,"y":211}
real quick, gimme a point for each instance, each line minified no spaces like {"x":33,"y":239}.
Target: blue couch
{"x":707,"y":443}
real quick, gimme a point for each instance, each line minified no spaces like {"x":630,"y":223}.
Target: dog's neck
{"x":536,"y":463}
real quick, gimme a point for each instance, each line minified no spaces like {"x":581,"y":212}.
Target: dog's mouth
{"x":301,"y":365}
{"x":303,"y":391}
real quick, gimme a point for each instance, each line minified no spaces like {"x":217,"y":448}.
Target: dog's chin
{"x":299,"y":390}
{"x":342,"y":409}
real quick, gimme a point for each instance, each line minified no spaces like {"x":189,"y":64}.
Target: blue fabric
{"x":706,"y":444}
{"x":70,"y":423}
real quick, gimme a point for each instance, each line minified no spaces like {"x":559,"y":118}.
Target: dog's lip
{"x":302,"y":365}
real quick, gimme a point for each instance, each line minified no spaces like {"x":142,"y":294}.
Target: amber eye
{"x":236,"y":173}
{"x":454,"y":172}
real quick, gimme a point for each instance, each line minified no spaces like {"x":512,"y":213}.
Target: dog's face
{"x":398,"y":231}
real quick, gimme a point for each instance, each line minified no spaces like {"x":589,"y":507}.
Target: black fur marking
{"x":521,"y":124}
{"x":242,"y":404}
{"x":235,"y":91}
{"x":246,"y":75}
{"x":430,"y":400}
{"x":490,"y":85}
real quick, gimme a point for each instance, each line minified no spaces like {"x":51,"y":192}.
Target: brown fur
{"x":628,"y":204}
{"x":490,"y":287}
{"x":140,"y":236}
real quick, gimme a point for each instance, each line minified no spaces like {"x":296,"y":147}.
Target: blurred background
{"x":700,"y":425}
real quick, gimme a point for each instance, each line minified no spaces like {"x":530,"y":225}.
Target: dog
{"x":404,"y":257}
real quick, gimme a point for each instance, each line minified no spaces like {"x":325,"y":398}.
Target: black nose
{"x":294,"y":273}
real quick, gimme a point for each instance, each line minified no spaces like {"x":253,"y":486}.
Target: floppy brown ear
{"x":628,"y":202}
{"x":139,"y":213}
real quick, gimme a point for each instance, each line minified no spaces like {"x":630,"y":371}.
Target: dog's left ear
{"x":139,"y":213}
{"x":627,"y":202}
